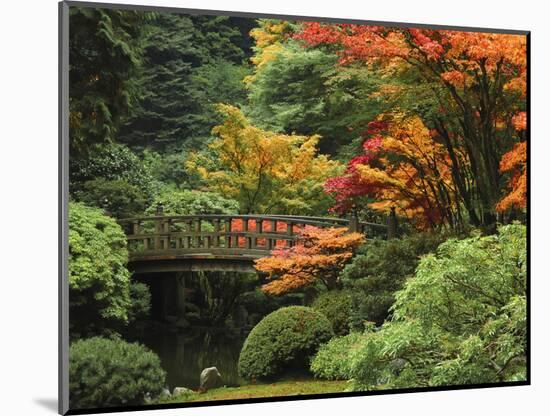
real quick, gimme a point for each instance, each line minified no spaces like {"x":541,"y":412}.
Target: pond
{"x":185,"y":354}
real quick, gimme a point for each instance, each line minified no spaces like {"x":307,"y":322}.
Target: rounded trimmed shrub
{"x":112,"y":372}
{"x":337,"y":306}
{"x":284,"y":339}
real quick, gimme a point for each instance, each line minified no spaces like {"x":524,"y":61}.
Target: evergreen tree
{"x":190,"y":63}
{"x":104,"y":55}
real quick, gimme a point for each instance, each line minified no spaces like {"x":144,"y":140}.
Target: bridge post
{"x":197,"y":229}
{"x":272,"y":242}
{"x":217,"y":231}
{"x":247,"y":239}
{"x":290,"y":232}
{"x":159,"y":227}
{"x":227,"y":226}
{"x":354,"y":221}
{"x":392,"y":224}
{"x":258,"y":231}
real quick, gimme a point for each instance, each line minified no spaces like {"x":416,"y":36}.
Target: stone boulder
{"x":181,"y":390}
{"x":210,"y":379}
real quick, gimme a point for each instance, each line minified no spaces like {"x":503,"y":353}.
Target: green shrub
{"x":99,"y":283}
{"x":105,"y":372}
{"x":333,"y":360}
{"x":169,"y":168}
{"x":185,"y":202}
{"x":379,"y":269}
{"x":140,"y":298}
{"x":120,"y":198}
{"x":284,"y":339}
{"x":110,"y":162}
{"x":460,"y":320}
{"x":256,"y":301}
{"x":336,"y":305}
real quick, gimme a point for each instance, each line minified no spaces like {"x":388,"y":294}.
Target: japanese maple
{"x":476,"y":80}
{"x":318,"y":255}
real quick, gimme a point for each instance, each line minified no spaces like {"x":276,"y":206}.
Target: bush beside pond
{"x":111,"y":372}
{"x":283,"y":340}
{"x":336,"y":305}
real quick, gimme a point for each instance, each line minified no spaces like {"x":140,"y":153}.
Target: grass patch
{"x":250,"y":391}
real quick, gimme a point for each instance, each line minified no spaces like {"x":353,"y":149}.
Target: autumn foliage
{"x":514,"y":162}
{"x":477,"y":84}
{"x":317,"y":256}
{"x":265,"y":171}
{"x":403,"y":167}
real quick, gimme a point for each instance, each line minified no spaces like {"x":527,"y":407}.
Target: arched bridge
{"x":174,"y":243}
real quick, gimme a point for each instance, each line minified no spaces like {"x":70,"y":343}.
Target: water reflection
{"x":185,"y":355}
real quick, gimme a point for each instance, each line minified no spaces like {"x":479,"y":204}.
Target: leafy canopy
{"x":99,"y":282}
{"x":104,"y":56}
{"x":319,"y":254}
{"x":189,"y":64}
{"x":379,"y":269}
{"x":466,"y":88}
{"x":266,"y":172}
{"x":185,"y":202}
{"x":460,"y":320}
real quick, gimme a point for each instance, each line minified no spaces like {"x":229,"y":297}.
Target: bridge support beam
{"x":392,"y":226}
{"x":180,"y":300}
{"x":166,"y":291}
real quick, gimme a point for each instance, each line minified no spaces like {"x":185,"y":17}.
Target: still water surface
{"x":185,"y":354}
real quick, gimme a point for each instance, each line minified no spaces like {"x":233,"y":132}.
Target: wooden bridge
{"x":174,"y":243}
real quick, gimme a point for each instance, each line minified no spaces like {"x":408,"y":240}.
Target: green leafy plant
{"x":337,"y":306}
{"x":460,"y":320}
{"x":110,"y":162}
{"x":105,"y":53}
{"x":284,"y":339}
{"x":140,"y":299}
{"x":99,"y":282}
{"x":333,"y":360}
{"x":379,"y":269}
{"x":111,"y":372}
{"x":118,"y":197}
{"x":185,"y":202}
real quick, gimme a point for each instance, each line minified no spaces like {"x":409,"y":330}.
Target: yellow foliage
{"x":264,"y":171}
{"x":268,"y":37}
{"x":417,"y":178}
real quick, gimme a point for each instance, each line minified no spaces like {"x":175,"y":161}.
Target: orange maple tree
{"x":318,"y":255}
{"x":515,"y":163}
{"x":412,"y":172}
{"x":477,"y":82}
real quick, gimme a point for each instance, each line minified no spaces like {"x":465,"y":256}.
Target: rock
{"x":397,"y":365}
{"x":181,"y":390}
{"x":164,"y":393}
{"x":210,"y":378}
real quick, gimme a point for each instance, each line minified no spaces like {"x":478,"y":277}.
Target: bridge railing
{"x":227,"y":234}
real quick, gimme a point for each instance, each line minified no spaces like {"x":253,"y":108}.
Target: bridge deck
{"x":220,"y":242}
